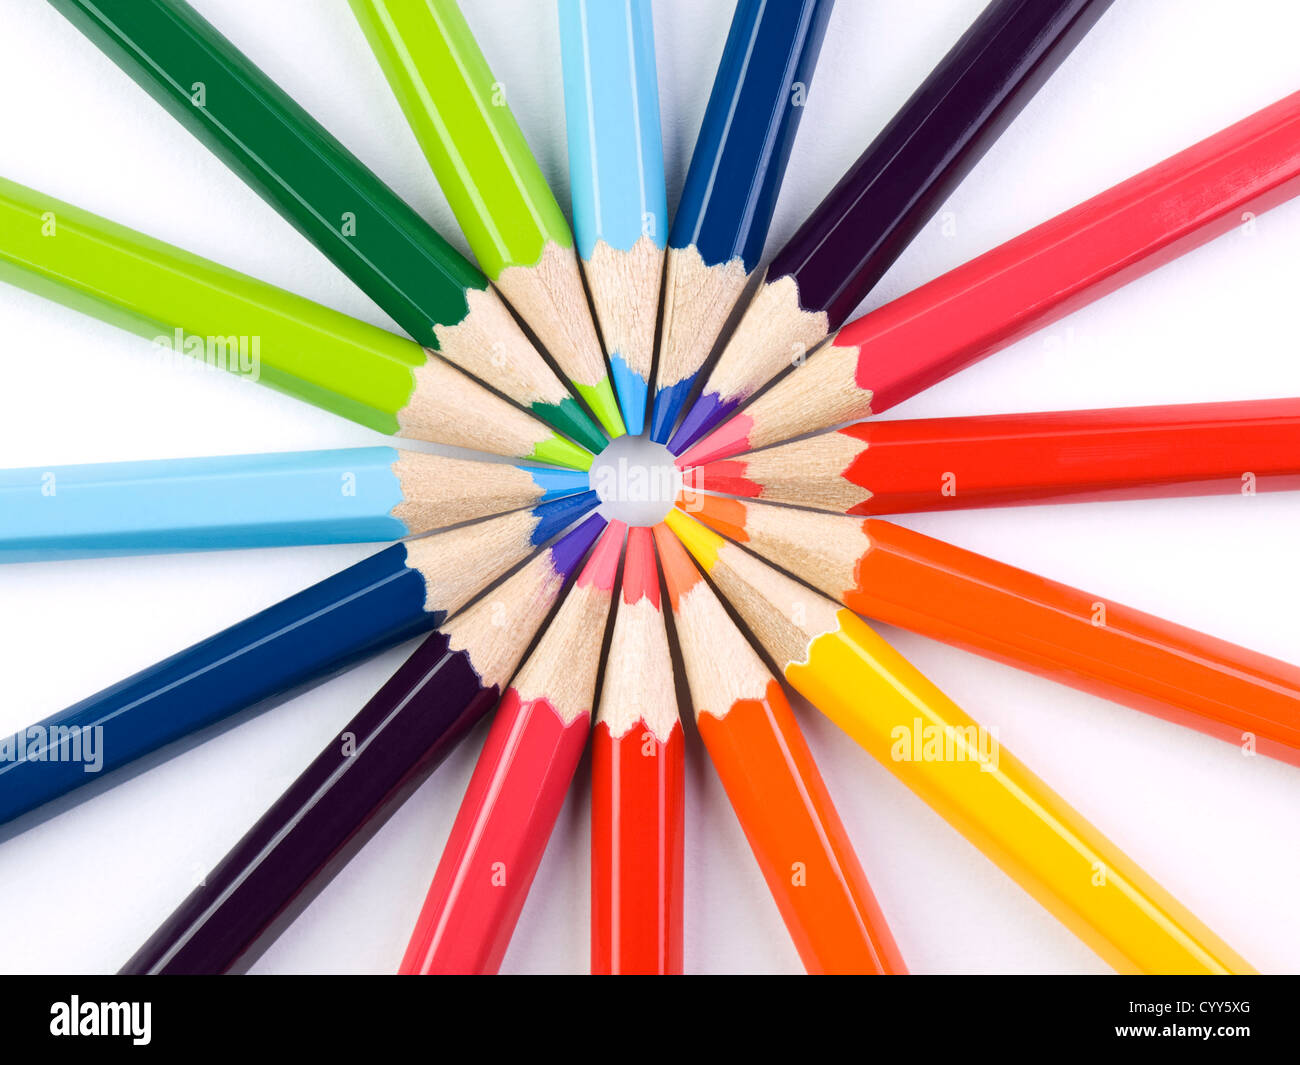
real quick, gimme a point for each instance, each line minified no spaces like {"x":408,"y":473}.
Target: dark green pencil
{"x":329,"y":196}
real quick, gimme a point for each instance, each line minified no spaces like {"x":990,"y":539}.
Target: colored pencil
{"x":861,"y":683}
{"x":854,"y":235}
{"x":400,"y":736}
{"x":932,"y":587}
{"x":616,"y":171}
{"x":325,"y":192}
{"x":637,"y":787}
{"x":732,"y":184}
{"x":389,"y":597}
{"x":891,"y":467}
{"x":773,"y":783}
{"x":1031,"y":281}
{"x":458,"y":111}
{"x":190,"y":306}
{"x":352,"y":495}
{"x":537,"y":738}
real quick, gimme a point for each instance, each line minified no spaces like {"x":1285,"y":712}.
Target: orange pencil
{"x":637,"y":787}
{"x":901,"y":577}
{"x":774,"y":785}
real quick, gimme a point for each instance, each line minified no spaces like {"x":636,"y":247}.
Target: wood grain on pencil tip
{"x":849,"y":673}
{"x":853,"y":236}
{"x":323,"y":190}
{"x":759,"y":95}
{"x":1031,"y":281}
{"x":774,"y":785}
{"x":401,"y":735}
{"x":513,"y":800}
{"x":637,"y":786}
{"x":460,"y":114}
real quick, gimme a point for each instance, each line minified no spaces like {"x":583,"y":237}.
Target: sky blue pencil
{"x":351,"y":495}
{"x":616,"y":170}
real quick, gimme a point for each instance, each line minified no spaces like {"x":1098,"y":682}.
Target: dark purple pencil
{"x":855,"y":234}
{"x":407,"y":728}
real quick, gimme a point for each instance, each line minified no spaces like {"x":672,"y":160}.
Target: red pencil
{"x":518,"y":787}
{"x":906,"y":346}
{"x":892,"y":467}
{"x":916,"y":582}
{"x":773,"y":783}
{"x":638,"y":787}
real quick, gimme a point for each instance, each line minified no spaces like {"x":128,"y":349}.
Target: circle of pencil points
{"x":480,"y":542}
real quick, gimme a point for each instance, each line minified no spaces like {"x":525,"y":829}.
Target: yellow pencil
{"x":860,"y":682}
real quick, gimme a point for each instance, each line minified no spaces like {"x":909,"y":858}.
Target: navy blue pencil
{"x":402,"y":591}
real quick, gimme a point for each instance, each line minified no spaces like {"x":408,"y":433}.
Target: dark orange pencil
{"x":774,"y":785}
{"x":932,"y":587}
{"x":637,"y":787}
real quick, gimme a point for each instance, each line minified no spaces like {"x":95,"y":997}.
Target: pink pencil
{"x":518,"y":786}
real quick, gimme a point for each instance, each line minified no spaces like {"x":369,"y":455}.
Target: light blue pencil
{"x":353,"y":495}
{"x":616,"y":169}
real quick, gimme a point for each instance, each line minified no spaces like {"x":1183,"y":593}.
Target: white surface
{"x":84,"y":889}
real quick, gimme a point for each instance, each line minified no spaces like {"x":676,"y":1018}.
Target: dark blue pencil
{"x":402,"y":591}
{"x":731,"y":187}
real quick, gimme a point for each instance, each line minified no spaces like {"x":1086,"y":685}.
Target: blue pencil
{"x":352,"y":495}
{"x":731,"y":187}
{"x":616,"y":168}
{"x":403,"y":591}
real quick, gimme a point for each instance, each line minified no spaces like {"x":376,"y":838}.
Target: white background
{"x":83,"y":890}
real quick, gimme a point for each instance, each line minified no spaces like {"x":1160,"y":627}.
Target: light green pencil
{"x":458,"y":112}
{"x":192,"y":306}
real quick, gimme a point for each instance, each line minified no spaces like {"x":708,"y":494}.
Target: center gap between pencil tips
{"x":636,"y":480}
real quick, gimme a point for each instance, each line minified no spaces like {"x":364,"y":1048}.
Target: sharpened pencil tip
{"x":600,"y":398}
{"x":669,"y":401}
{"x":708,"y":411}
{"x":632,"y":391}
{"x":701,"y":542}
{"x":558,"y":514}
{"x":557,"y":451}
{"x":570,"y":419}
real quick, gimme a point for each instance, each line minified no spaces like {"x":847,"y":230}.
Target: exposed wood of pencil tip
{"x":440,"y":491}
{"x":638,"y":682}
{"x":496,"y":629}
{"x":722,"y":668}
{"x":784,"y":615}
{"x":625,"y":289}
{"x":822,"y":392}
{"x":809,"y":473}
{"x":774,"y":334}
{"x":449,"y":407}
{"x":698,"y":300}
{"x":562,"y":669}
{"x":489,"y":344}
{"x":821,"y":549}
{"x":549,"y":296}
{"x":459,"y":563}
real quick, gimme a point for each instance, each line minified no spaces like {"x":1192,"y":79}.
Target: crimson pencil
{"x":401,"y":735}
{"x":637,"y":787}
{"x":514,"y":797}
{"x":774,"y":785}
{"x":853,"y":236}
{"x":1081,"y":639}
{"x":1037,"y":278}
{"x":891,"y":467}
